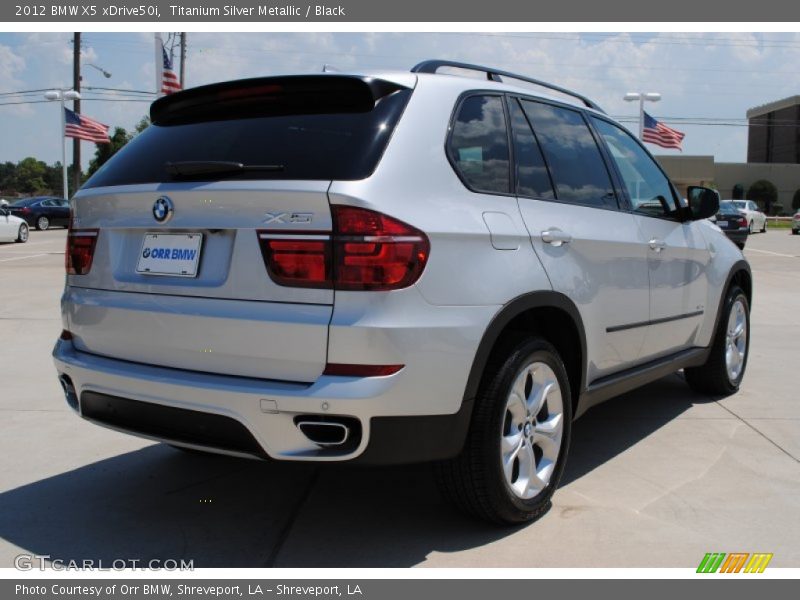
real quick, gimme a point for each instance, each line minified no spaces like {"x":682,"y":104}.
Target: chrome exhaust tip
{"x":326,"y":434}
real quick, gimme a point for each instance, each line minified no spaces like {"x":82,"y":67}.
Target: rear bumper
{"x":255,"y":417}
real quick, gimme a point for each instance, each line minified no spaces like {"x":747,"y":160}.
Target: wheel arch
{"x":550,"y":314}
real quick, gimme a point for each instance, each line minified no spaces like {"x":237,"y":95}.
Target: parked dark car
{"x":733,"y":222}
{"x":42,"y":212}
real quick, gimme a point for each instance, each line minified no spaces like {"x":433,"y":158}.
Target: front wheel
{"x":42,"y":223}
{"x":22,"y":234}
{"x":723,"y":372}
{"x":518,"y":440}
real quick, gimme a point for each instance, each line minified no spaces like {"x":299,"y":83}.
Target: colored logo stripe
{"x":713,"y":562}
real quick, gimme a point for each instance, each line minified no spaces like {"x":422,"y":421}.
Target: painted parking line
{"x":23,"y":257}
{"x":772,"y":253}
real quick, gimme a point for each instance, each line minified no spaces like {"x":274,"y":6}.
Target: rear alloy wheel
{"x":22,"y":234}
{"x":42,"y":223}
{"x":723,"y":372}
{"x":518,"y":440}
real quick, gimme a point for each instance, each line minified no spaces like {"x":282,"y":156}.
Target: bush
{"x":738,"y":192}
{"x":765,"y":193}
{"x":777,"y":209}
{"x":796,"y":200}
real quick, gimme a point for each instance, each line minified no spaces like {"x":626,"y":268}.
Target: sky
{"x":713,"y":77}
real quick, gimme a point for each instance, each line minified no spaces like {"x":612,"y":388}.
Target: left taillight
{"x":742,"y":222}
{"x":80,"y":250}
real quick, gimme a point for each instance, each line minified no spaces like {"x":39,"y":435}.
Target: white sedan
{"x":12,"y":229}
{"x":756,"y":220}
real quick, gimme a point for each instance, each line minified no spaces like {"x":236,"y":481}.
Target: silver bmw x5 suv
{"x":391,"y":268}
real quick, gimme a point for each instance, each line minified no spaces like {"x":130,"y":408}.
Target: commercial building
{"x":773,"y":132}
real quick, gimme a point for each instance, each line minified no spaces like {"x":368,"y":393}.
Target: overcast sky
{"x":716,"y":76}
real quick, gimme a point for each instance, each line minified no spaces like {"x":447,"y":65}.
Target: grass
{"x":779,"y":224}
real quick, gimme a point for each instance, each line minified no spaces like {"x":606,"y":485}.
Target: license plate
{"x":175,"y":254}
{"x":722,"y":224}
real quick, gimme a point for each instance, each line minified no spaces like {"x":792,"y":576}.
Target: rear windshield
{"x":332,"y":130}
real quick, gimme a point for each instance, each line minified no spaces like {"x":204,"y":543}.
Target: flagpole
{"x":64,"y":147}
{"x":641,"y":117}
{"x":159,"y":44}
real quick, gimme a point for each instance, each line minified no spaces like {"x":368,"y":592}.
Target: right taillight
{"x":366,"y":251}
{"x":80,"y":250}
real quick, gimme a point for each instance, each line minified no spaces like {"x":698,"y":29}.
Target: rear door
{"x":588,"y":246}
{"x":677,"y":254}
{"x":212,"y":227}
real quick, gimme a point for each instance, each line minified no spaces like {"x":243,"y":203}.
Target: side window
{"x":752,"y":206}
{"x":532,"y":177}
{"x":46,"y":203}
{"x":648,"y":188}
{"x":576,"y":165}
{"x":478,"y":144}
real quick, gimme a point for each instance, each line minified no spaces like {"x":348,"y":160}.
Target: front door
{"x":677,"y":254}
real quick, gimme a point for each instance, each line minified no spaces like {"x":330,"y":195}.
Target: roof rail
{"x":432,"y":66}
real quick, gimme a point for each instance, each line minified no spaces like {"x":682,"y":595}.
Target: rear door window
{"x":532,"y":177}
{"x":576,"y":165}
{"x":478,"y":145}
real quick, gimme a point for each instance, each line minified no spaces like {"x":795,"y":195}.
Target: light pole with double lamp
{"x":63,"y":96}
{"x":642,"y":97}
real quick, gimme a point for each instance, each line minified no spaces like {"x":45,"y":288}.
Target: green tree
{"x":796,"y":200}
{"x":30,"y":176}
{"x":104,"y":152}
{"x":738,"y":191}
{"x":765,"y":193}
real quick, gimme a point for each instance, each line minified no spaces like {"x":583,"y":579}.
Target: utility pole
{"x":183,"y":60}
{"x":76,"y":106}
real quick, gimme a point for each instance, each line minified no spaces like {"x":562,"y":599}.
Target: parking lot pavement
{"x":657,"y":477}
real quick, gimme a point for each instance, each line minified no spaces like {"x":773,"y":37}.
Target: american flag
{"x":659,"y":134}
{"x":84,"y":128}
{"x":169,"y":81}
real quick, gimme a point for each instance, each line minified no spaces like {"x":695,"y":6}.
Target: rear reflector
{"x":366,"y":251}
{"x":80,"y":250}
{"x":344,"y":370}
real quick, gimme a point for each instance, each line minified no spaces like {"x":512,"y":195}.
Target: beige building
{"x":702,"y":170}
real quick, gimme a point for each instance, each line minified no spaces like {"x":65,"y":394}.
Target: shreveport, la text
{"x":167,"y":589}
{"x":44,"y":562}
{"x":264,"y":10}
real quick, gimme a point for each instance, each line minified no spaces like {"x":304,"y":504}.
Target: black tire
{"x":42,"y":223}
{"x":712,"y":378}
{"x":22,"y":234}
{"x":795,"y":231}
{"x":764,"y":228}
{"x":474,"y":481}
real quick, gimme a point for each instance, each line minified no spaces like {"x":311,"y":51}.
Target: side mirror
{"x":703,"y":202}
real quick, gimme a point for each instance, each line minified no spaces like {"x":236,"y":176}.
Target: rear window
{"x":303,"y":127}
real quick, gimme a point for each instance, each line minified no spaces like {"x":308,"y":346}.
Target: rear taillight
{"x":80,"y":250}
{"x":742,"y":222}
{"x":366,"y":251}
{"x":797,"y":217}
{"x":25,"y":210}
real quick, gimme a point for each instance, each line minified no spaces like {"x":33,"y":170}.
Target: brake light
{"x":797,"y":217}
{"x":80,"y":250}
{"x":297,"y":259}
{"x":367,"y":251}
{"x":25,"y":210}
{"x":742,"y":222}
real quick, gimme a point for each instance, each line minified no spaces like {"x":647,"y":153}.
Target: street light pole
{"x":76,"y":106}
{"x":62,"y":96}
{"x":642,"y":97}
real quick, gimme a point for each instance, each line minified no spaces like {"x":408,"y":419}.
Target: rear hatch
{"x":174,"y":225}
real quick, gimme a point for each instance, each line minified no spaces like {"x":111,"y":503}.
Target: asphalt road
{"x":656,"y":478}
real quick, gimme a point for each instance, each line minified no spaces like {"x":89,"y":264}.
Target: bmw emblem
{"x":163,"y":209}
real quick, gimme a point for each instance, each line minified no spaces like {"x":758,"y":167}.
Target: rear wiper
{"x":208,"y":167}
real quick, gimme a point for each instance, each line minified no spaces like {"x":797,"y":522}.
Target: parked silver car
{"x":391,"y":267}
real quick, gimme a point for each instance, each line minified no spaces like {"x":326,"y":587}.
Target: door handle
{"x":657,"y":245}
{"x":556,"y":237}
